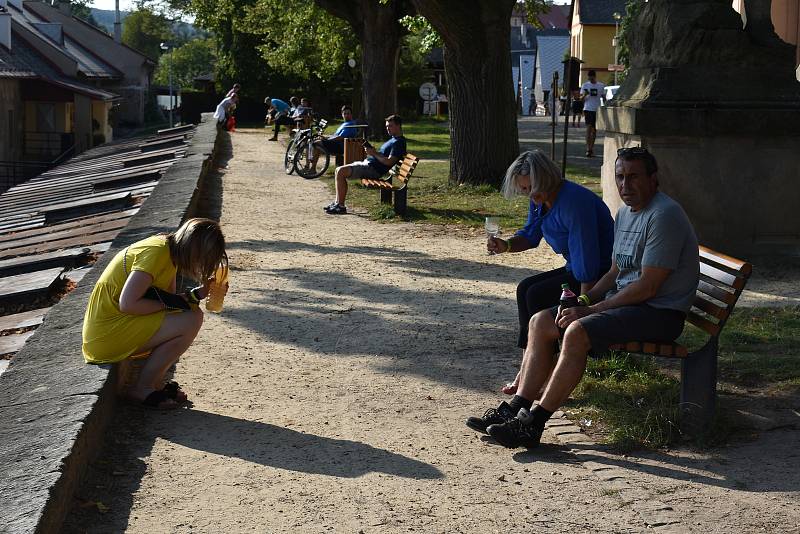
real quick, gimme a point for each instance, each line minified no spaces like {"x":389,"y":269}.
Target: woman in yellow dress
{"x":120,"y":321}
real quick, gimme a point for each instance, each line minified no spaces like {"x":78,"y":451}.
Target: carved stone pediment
{"x":697,"y":53}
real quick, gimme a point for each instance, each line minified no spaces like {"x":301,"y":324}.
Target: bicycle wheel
{"x":304,"y":160}
{"x":288,"y":159}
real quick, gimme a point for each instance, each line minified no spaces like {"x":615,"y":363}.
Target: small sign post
{"x":428,"y":93}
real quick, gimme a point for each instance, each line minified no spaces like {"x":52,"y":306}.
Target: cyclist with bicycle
{"x":376,"y":164}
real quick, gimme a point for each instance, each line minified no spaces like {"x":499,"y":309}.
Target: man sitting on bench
{"x":334,"y":144}
{"x":645,"y":295}
{"x":377,"y":163}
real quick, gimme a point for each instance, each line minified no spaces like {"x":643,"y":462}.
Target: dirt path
{"x":330,"y":396}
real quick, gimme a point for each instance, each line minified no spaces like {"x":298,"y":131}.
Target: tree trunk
{"x":477,"y":62}
{"x":379,"y":32}
{"x":380,"y":53}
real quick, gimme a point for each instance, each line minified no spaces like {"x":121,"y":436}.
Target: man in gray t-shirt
{"x":658,"y":235}
{"x":644,"y":296}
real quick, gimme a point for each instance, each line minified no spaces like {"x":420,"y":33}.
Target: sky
{"x":124,"y":5}
{"x":127,"y":5}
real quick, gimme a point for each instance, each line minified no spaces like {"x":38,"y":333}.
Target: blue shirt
{"x":345,"y":131}
{"x":579,"y":227}
{"x":279,"y":104}
{"x":394,"y":147}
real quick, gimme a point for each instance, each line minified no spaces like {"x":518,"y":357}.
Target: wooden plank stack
{"x":65,"y":217}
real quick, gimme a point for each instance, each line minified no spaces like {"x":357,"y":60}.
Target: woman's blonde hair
{"x":545,"y":174}
{"x":197,"y":248}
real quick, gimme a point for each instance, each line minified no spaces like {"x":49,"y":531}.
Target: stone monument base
{"x":736,"y":172}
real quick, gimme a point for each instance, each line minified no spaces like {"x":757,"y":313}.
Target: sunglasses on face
{"x":631,"y":150}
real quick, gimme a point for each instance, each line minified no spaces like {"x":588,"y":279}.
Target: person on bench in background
{"x":576,"y":223}
{"x":376,"y":164}
{"x":334,"y":144}
{"x":645,"y":295}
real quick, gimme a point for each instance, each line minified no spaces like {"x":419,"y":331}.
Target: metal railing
{"x":41,"y":146}
{"x":42,"y":151}
{"x":16,"y":172}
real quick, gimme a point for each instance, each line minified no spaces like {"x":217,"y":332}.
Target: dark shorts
{"x":590,"y":117}
{"x":335,"y":146}
{"x":631,"y":323}
{"x":577,"y":107}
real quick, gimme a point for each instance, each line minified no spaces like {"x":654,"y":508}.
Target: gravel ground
{"x":330,"y":394}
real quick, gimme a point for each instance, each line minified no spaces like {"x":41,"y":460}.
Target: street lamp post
{"x":615,"y":42}
{"x":165,"y":47}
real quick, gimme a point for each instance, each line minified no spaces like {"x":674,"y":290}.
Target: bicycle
{"x":299,"y":140}
{"x":304,"y":156}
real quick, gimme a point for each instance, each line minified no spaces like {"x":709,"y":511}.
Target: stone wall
{"x":54,"y":407}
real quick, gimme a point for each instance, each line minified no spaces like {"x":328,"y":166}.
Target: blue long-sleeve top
{"x":579,"y":227}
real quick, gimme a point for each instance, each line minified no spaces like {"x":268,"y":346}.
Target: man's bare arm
{"x":642,"y":290}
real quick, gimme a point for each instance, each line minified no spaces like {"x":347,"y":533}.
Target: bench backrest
{"x":722,"y":279}
{"x":403,"y":170}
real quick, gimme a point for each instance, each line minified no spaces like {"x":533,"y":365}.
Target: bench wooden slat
{"x":717,"y":292}
{"x":711,"y":308}
{"x":668,"y":350}
{"x":722,"y":259}
{"x":702,"y":323}
{"x":376,"y":184}
{"x":722,"y":277}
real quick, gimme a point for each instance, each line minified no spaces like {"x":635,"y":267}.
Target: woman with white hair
{"x":576,"y":223}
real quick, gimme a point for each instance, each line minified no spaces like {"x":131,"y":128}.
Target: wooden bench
{"x":722,"y":280}
{"x":397,"y":183}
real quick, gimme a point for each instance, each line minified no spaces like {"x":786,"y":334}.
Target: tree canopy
{"x":145,"y":30}
{"x":186,"y":62}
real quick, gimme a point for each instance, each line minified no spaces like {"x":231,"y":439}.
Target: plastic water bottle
{"x":568,"y":298}
{"x":217,"y":291}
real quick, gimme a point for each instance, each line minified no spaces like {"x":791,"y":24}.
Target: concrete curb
{"x":54,"y":407}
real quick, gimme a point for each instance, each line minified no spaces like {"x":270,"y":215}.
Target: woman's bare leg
{"x":167,"y":345}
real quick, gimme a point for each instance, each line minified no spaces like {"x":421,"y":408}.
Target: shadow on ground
{"x":115,"y":479}
{"x":732,"y":467}
{"x":436,"y":332}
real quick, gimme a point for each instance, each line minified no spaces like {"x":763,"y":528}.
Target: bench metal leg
{"x":699,"y":388}
{"x":400,"y":201}
{"x":386,"y":196}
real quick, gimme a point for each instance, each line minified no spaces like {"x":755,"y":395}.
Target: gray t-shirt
{"x":660,"y":235}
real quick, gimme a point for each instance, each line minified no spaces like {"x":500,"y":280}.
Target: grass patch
{"x":633,"y":403}
{"x":432,"y":199}
{"x":633,"y":399}
{"x":428,"y":138}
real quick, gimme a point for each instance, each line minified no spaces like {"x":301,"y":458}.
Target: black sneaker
{"x":518,"y":432}
{"x":329,"y":206}
{"x":338,"y":209}
{"x":493,"y":416}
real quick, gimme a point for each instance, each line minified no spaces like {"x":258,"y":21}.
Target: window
{"x":45,"y":117}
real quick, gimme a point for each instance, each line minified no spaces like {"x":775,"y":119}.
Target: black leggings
{"x":540,"y":292}
{"x":283,"y":120}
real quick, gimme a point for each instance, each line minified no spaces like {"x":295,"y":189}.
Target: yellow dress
{"x":108,"y":334}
